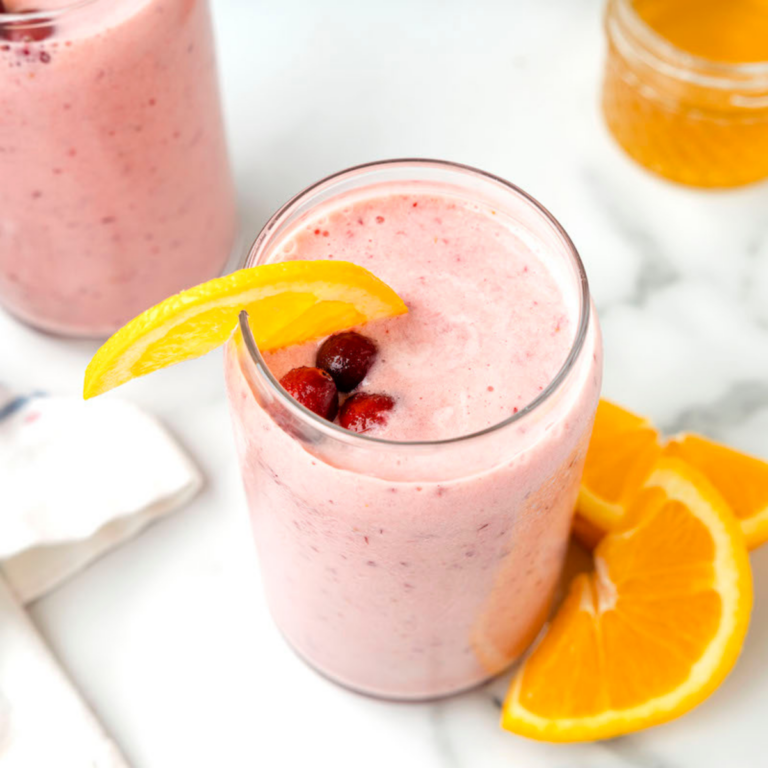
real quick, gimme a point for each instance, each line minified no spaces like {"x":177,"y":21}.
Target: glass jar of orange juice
{"x":686,"y":87}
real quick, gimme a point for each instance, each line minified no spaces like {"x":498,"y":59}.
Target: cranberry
{"x":347,"y":357}
{"x":32,"y":31}
{"x":362,"y":412}
{"x":314,"y":389}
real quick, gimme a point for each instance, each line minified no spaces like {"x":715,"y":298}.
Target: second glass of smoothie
{"x":116,"y":189}
{"x":420,"y":558}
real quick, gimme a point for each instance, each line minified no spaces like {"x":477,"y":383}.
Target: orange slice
{"x":653,"y":630}
{"x":287,"y":303}
{"x":621,"y":453}
{"x":742,"y":481}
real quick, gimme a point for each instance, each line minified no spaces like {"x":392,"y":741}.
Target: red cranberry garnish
{"x":314,"y":389}
{"x":362,"y":412}
{"x":347,"y":357}
{"x":32,"y":31}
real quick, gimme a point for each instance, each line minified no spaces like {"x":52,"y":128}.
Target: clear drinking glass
{"x":414,"y":570}
{"x":116,"y":187}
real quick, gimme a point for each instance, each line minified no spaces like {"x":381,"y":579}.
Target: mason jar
{"x":689,"y":119}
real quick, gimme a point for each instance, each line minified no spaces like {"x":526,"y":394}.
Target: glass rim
{"x":682,"y":65}
{"x":30,"y":18}
{"x":346,"y":435}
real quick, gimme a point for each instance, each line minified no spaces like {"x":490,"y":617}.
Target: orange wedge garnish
{"x":287,"y":303}
{"x":653,"y":630}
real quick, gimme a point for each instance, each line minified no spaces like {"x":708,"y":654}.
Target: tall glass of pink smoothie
{"x":116,"y":188}
{"x":419,"y":558}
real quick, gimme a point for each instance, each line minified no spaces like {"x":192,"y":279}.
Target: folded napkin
{"x":76,"y":479}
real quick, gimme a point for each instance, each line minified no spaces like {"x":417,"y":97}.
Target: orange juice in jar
{"x":686,"y":87}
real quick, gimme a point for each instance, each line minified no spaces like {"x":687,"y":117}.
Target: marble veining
{"x":442,"y":738}
{"x":656,"y":271}
{"x":737,"y":406}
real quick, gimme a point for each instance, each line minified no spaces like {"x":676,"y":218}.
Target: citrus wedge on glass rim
{"x":287,"y":303}
{"x":653,"y":630}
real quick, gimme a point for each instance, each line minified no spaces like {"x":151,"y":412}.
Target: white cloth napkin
{"x":76,"y":479}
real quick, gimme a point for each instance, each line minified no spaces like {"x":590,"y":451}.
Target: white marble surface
{"x":169,"y":637}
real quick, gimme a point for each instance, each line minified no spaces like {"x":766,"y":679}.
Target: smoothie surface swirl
{"x":488,"y":326}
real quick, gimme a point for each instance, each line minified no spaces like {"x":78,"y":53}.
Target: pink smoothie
{"x":116,"y":186}
{"x":417,"y":571}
